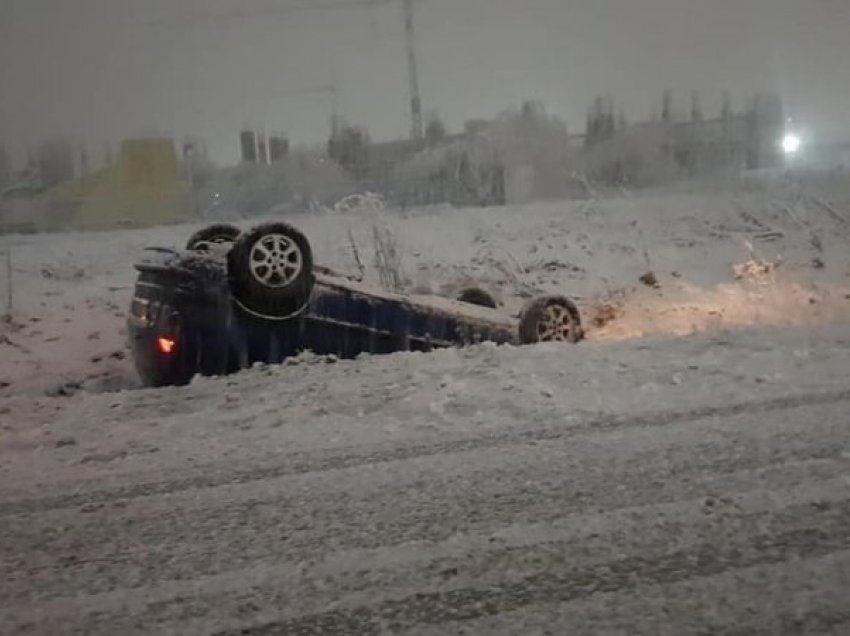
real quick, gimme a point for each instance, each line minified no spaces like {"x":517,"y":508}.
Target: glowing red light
{"x":165,"y":345}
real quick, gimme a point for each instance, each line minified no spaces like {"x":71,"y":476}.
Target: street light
{"x":791,"y":144}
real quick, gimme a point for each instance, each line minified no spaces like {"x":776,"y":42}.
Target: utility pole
{"x":413,"y":74}
{"x":334,"y":92}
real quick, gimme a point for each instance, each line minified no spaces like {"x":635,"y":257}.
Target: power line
{"x":416,"y":131}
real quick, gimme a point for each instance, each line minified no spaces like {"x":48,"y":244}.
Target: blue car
{"x":233,"y":298}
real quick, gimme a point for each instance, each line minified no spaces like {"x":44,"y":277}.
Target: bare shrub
{"x":388,"y":255}
{"x":756,"y":269}
{"x":388,"y":260}
{"x":359,"y":204}
{"x":504,"y":268}
{"x":753,"y":271}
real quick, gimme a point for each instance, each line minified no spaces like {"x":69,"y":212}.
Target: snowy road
{"x":657,"y":486}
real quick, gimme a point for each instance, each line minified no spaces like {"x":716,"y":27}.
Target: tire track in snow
{"x":303,"y":462}
{"x":823,"y":535}
{"x":579,"y":545}
{"x":283,"y":520}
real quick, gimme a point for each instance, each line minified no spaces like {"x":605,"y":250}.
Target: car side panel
{"x":216,"y":336}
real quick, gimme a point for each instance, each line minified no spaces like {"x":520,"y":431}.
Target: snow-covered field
{"x":70,"y":291}
{"x":684,"y":471}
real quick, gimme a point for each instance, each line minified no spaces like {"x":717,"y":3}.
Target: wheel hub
{"x":556,"y":325}
{"x":276,"y":260}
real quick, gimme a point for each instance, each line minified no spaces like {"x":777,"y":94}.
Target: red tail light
{"x":165,"y":345}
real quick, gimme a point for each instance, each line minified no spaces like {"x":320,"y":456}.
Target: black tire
{"x":477,"y":296}
{"x":550,"y":319}
{"x":220,"y":233}
{"x":271,"y":270}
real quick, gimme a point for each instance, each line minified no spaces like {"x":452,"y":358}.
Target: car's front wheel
{"x":550,"y":319}
{"x":271,"y":270}
{"x":477,"y":296}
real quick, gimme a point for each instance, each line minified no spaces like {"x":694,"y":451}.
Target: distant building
{"x":278,"y":148}
{"x":522,"y":155}
{"x":262,"y":149}
{"x":248,"y":145}
{"x":730,"y":142}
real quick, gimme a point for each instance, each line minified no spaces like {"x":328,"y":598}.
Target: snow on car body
{"x":233,"y":299}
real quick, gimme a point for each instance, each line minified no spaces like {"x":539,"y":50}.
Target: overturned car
{"x":233,"y":298}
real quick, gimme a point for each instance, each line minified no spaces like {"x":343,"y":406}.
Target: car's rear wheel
{"x":477,"y":296}
{"x":550,"y":319}
{"x":212,"y":236}
{"x":271,"y":270}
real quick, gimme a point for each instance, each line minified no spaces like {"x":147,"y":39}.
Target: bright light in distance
{"x":791,"y":144}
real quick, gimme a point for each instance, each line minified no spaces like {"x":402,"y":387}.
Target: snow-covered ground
{"x":683,"y":471}
{"x":71,"y":291}
{"x":681,"y":485}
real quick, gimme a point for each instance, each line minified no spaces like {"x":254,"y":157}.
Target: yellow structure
{"x":143,"y":188}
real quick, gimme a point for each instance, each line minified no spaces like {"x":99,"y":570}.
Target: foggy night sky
{"x":97,"y":71}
